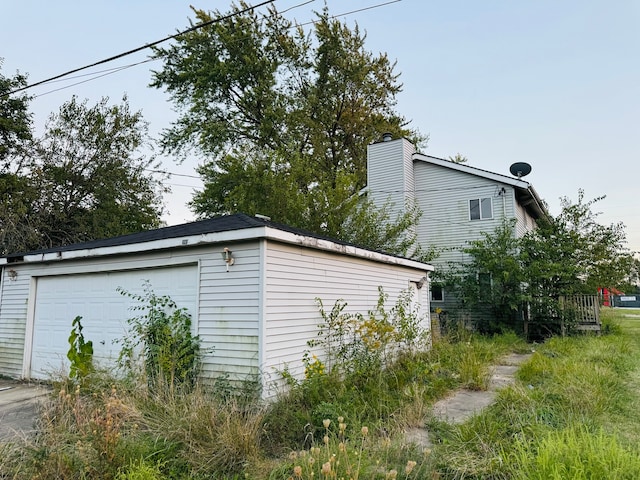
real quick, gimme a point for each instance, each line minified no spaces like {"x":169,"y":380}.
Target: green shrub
{"x":80,"y":352}
{"x":171,"y":354}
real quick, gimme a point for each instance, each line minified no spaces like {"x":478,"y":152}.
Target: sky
{"x":552,"y":83}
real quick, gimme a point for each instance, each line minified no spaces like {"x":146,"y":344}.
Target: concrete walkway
{"x":463,"y":404}
{"x":18,"y":407}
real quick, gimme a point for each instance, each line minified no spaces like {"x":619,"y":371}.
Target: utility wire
{"x":94,"y":77}
{"x":371,"y":7}
{"x":165,"y":172}
{"x":59,"y":78}
{"x":144,"y":47}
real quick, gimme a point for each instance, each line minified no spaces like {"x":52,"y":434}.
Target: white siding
{"x":229,"y":311}
{"x":525,"y":222}
{"x":296,"y":276}
{"x":13,"y":316}
{"x":390,"y":175}
{"x":227,"y":319}
{"x":443,"y":195}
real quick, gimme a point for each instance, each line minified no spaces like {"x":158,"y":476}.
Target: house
{"x":250,"y":285}
{"x":458,"y":202}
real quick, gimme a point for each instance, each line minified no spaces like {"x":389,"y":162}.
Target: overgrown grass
{"x":574,"y":413}
{"x":580,"y":391}
{"x":575,"y":452}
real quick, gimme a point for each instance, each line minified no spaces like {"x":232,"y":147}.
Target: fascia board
{"x":247,"y":234}
{"x":186,"y":241}
{"x":350,"y":250}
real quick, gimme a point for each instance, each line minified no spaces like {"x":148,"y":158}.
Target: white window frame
{"x":482,"y":203}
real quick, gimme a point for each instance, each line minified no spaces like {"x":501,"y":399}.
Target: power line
{"x":138,"y":49}
{"x":173,"y":173}
{"x":371,"y":7}
{"x":94,"y":77}
{"x":183,"y":185}
{"x":59,"y":78}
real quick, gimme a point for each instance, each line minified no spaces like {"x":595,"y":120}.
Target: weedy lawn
{"x":573,"y":414}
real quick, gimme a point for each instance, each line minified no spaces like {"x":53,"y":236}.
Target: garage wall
{"x":295,"y":276}
{"x":229,"y":310}
{"x":13,"y":317}
{"x":226,"y":318}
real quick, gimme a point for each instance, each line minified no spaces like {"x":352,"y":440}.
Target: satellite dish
{"x":520,"y":169}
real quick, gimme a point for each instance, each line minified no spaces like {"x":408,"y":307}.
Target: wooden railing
{"x":584,"y":312}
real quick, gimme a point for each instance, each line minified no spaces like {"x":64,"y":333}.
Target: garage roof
{"x":223,"y":228}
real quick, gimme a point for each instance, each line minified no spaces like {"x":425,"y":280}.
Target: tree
{"x":458,"y":158}
{"x":16,"y":193}
{"x":573,"y":253}
{"x":492,"y":284}
{"x":83,"y":179}
{"x":565,"y":255}
{"x":282,"y":117}
{"x":15,"y":120}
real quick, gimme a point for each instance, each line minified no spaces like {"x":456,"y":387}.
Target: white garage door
{"x":104,"y":311}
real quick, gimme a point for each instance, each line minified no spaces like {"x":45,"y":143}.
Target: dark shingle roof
{"x":224,"y":223}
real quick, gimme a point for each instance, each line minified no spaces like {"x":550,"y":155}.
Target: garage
{"x":249,"y":284}
{"x":104,"y":311}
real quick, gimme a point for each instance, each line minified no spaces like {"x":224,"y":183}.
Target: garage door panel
{"x":104,"y":311}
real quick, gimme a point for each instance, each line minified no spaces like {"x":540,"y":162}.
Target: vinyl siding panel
{"x":525,"y":222}
{"x":226,"y":320}
{"x":13,"y":315}
{"x":443,"y":196}
{"x":296,"y":276}
{"x":390,"y":175}
{"x":228,"y":312}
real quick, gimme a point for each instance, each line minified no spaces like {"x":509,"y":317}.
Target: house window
{"x":484,"y":285}
{"x":437,"y":293}
{"x":480,"y":208}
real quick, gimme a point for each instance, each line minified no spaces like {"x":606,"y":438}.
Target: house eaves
{"x":525,"y":193}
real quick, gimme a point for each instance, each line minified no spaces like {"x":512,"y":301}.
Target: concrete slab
{"x":419,"y":437}
{"x":502,"y":376}
{"x":515,"y":358}
{"x":463,"y":404}
{"x":18,"y":408}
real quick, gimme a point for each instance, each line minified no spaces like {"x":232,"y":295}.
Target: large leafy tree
{"x":491,"y":283}
{"x":574,"y":253}
{"x":281,"y":116}
{"x":16,"y":193}
{"x":15,"y":120}
{"x":94,"y":180}
{"x":85,"y":178}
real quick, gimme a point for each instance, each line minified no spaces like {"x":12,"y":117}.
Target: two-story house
{"x":458,"y":202}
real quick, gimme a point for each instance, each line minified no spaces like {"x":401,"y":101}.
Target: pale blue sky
{"x":552,"y":83}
